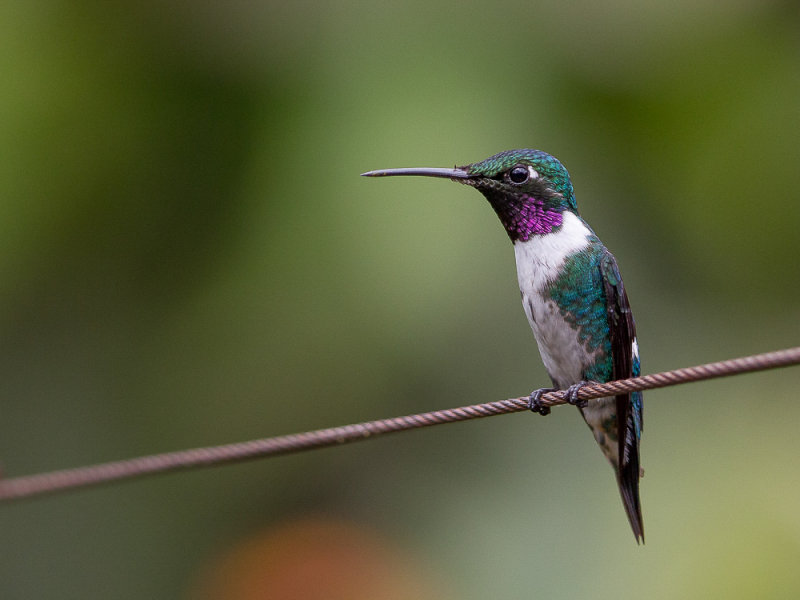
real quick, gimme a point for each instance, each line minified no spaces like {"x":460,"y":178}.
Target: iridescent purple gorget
{"x":529,"y":217}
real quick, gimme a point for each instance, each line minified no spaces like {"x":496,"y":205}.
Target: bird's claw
{"x":535,"y":401}
{"x":571,"y":394}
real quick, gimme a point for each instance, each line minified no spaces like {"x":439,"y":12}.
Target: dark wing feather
{"x":623,"y":332}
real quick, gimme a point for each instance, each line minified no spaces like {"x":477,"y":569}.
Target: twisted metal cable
{"x":32,"y":485}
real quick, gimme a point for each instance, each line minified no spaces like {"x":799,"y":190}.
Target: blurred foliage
{"x":188,"y":257}
{"x":315,"y":558}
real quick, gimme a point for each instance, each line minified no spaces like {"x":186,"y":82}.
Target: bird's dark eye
{"x":519,"y":174}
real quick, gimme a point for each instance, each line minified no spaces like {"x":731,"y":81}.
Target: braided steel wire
{"x":31,"y":485}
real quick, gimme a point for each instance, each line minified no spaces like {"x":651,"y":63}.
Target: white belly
{"x":539,"y":260}
{"x":562,"y":354}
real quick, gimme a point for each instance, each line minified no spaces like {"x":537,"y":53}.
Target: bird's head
{"x":528,"y":189}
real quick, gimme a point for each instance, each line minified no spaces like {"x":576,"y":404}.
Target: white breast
{"x":539,"y":260}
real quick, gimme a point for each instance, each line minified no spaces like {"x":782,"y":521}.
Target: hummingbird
{"x":573,"y":297}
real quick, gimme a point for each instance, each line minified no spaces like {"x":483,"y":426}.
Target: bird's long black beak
{"x":454,"y":173}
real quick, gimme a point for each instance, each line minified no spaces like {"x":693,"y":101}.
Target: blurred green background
{"x":189,"y":257}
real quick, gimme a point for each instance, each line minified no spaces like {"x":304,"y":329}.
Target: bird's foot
{"x":571,"y":394}
{"x":535,"y":401}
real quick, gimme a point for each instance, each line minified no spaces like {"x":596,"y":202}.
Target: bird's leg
{"x":571,"y":394}
{"x":535,"y":401}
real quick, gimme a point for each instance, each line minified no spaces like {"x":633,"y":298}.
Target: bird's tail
{"x":602,"y":418}
{"x":628,"y":482}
